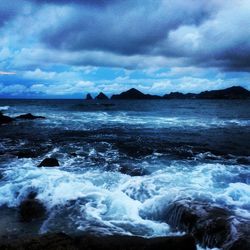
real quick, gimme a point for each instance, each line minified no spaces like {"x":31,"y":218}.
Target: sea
{"x":121,"y":160}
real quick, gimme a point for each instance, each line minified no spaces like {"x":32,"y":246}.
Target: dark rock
{"x":134,"y":149}
{"x":235,"y":92}
{"x":89,"y":97}
{"x":243,"y":160}
{"x":56,"y":241}
{"x":49,"y":162}
{"x":29,"y":116}
{"x":63,"y":241}
{"x":124,"y":169}
{"x":101,"y":96}
{"x":117,"y":242}
{"x":134,"y":94}
{"x":211,"y":226}
{"x":31,"y":209}
{"x":4,"y":119}
{"x":32,"y":195}
{"x":26,"y":154}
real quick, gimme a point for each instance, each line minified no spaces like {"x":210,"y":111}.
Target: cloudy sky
{"x":66,"y":48}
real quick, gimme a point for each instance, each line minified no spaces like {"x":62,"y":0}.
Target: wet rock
{"x":54,"y":241}
{"x":29,"y":116}
{"x":101,"y":96}
{"x":132,"y":171}
{"x":49,"y":162}
{"x":31,"y":209}
{"x":4,"y":119}
{"x":63,"y":241}
{"x":211,"y":226}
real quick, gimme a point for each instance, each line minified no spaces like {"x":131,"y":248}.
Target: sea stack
{"x":101,"y":96}
{"x":89,"y":97}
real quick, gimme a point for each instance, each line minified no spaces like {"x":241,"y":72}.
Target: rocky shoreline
{"x":204,"y":224}
{"x":62,"y":241}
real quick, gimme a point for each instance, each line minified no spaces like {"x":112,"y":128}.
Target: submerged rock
{"x":29,"y":116}
{"x":49,"y":162}
{"x":31,"y":209}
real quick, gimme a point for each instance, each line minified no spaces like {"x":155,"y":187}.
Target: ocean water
{"x":122,"y":160}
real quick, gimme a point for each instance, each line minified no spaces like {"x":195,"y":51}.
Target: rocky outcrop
{"x":31,"y":209}
{"x":89,"y":97}
{"x":235,"y":92}
{"x":5,"y":119}
{"x":132,"y":171}
{"x":211,"y":226}
{"x":134,"y":94}
{"x":29,"y":116}
{"x":49,"y":162}
{"x":101,"y":96}
{"x":63,"y":241}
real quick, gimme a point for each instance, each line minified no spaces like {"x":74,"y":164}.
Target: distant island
{"x":235,"y":92}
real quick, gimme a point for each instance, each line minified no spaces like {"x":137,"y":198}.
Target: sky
{"x":68,"y":48}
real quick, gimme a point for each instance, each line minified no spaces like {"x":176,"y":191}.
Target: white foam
{"x":84,"y":120}
{"x":4,"y":107}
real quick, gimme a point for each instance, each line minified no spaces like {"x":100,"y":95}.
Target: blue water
{"x":121,"y":159}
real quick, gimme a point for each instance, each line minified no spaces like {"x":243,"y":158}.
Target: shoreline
{"x":116,"y":242}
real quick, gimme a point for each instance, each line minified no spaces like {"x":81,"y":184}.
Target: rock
{"x":211,"y":226}
{"x":134,"y":149}
{"x":31,"y":209}
{"x":89,"y":97}
{"x":55,"y":241}
{"x":101,"y":96}
{"x":4,"y":119}
{"x":29,"y":116}
{"x":63,"y":241}
{"x":124,"y":169}
{"x":26,"y":154}
{"x":235,"y":92}
{"x":243,"y":160}
{"x":49,"y":162}
{"x":134,"y":94}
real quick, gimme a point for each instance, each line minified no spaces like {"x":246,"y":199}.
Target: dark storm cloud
{"x":127,"y":27}
{"x":129,"y":33}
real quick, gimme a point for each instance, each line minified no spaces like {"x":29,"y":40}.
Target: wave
{"x":2,"y":108}
{"x":112,"y":202}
